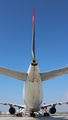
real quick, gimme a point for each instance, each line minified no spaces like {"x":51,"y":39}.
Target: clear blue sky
{"x":51,"y":23}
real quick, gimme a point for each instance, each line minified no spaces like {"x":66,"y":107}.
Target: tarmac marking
{"x":32,"y":118}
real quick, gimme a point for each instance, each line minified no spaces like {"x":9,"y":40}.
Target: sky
{"x":51,"y":35}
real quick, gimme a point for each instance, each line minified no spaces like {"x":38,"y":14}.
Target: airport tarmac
{"x":55,"y":117}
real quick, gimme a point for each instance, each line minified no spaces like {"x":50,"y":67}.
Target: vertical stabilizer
{"x":33,"y":35}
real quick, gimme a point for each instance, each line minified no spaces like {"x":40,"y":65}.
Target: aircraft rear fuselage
{"x":33,"y":93}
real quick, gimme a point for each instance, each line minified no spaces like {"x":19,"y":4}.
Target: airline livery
{"x":32,"y":91}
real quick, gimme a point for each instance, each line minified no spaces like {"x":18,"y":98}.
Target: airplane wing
{"x":13,"y":105}
{"x":54,"y":73}
{"x":54,"y":104}
{"x":13,"y":73}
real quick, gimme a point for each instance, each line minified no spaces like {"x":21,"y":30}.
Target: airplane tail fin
{"x":33,"y":35}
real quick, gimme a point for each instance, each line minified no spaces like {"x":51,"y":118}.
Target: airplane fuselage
{"x":33,"y":93}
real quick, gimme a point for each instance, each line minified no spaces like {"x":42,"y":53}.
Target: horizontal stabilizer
{"x":13,"y":105}
{"x":54,"y":73}
{"x":54,"y":104}
{"x":13,"y":73}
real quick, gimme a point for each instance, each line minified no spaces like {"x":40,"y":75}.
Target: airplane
{"x":33,"y":78}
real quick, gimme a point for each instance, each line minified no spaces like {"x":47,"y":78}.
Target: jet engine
{"x":12,"y":110}
{"x":52,"y":110}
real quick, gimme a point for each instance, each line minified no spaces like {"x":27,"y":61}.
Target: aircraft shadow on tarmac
{"x":52,"y":118}
{"x":42,"y":118}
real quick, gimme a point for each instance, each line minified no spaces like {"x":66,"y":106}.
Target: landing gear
{"x":19,"y":115}
{"x":32,"y":114}
{"x":46,"y":114}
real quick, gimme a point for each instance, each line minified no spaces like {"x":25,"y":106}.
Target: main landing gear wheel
{"x":46,"y":114}
{"x":19,"y":115}
{"x":32,"y":114}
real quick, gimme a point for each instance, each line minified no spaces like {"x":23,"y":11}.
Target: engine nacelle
{"x":52,"y":110}
{"x":12,"y":110}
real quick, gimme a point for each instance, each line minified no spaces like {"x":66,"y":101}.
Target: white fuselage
{"x":32,"y":92}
